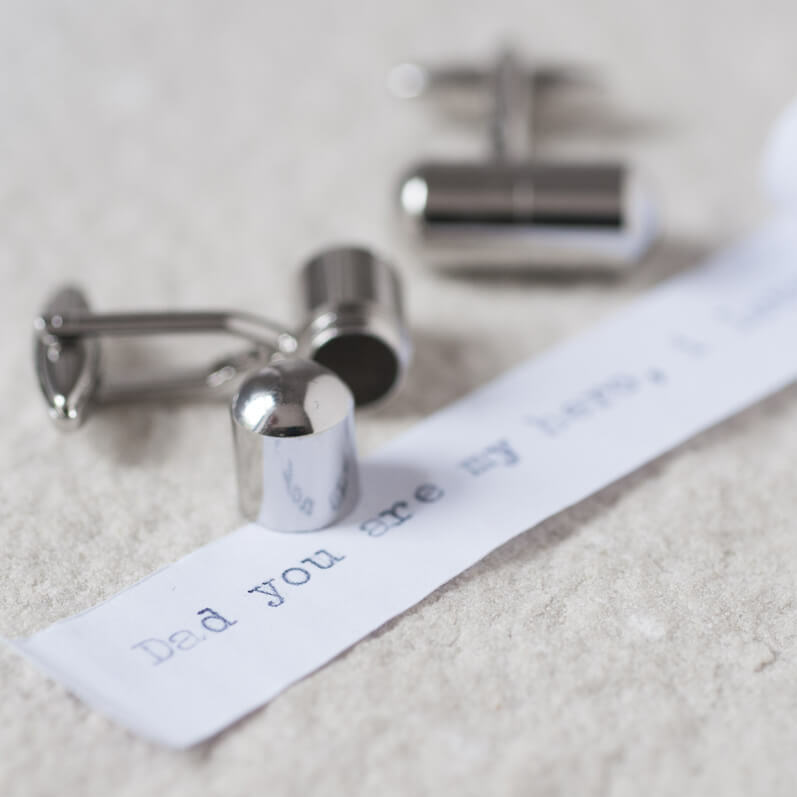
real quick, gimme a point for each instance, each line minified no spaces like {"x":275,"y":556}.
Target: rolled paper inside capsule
{"x":580,"y":216}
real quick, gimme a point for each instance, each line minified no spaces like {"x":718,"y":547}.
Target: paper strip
{"x":186,"y":652}
{"x":779,"y":164}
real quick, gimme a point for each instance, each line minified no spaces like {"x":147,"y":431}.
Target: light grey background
{"x":191,"y":154}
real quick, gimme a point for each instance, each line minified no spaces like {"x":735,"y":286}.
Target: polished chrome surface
{"x":580,"y":219}
{"x":519,"y":193}
{"x":355,"y":321}
{"x":512,"y":210}
{"x":67,"y":370}
{"x":293,"y":431}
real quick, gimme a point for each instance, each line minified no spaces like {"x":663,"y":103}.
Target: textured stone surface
{"x":189,"y":154}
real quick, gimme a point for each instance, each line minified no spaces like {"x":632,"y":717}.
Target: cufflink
{"x":515,"y":208}
{"x":294,"y":391}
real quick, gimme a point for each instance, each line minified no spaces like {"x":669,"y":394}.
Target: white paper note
{"x":186,"y":652}
{"x":779,"y":166}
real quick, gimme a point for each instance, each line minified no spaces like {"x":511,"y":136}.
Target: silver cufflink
{"x":295,"y":391}
{"x":516,"y":209}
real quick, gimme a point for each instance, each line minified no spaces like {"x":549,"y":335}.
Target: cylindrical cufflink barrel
{"x":355,"y":320}
{"x":293,"y":433}
{"x":505,"y":213}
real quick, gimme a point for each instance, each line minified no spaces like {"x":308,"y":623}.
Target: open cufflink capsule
{"x":296,"y":390}
{"x":515,"y":209}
